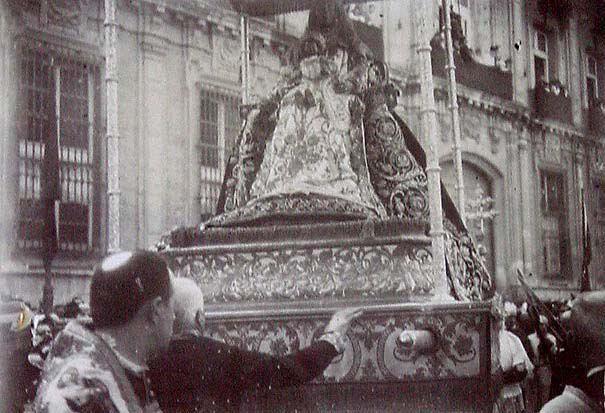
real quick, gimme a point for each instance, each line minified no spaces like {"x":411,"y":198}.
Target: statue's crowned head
{"x":312,"y":44}
{"x":324,"y":15}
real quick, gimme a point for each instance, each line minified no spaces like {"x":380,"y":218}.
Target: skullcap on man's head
{"x":123,"y":282}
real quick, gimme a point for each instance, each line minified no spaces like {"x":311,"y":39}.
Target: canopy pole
{"x":113,"y":138}
{"x":429,"y":131}
{"x":453,"y":96}
{"x":245,"y":57}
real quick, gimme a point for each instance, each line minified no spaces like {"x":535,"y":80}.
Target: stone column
{"x":515,"y":226}
{"x":520,"y":52}
{"x":194,"y":108}
{"x":12,"y":109}
{"x":429,"y":132}
{"x":141,"y":144}
{"x":526,"y":200}
{"x":5,"y":138}
{"x":581,"y":206}
{"x":113,"y":138}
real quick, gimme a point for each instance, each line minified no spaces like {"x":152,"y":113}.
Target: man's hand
{"x":515,"y":375}
{"x":341,"y":320}
{"x":337,"y":327}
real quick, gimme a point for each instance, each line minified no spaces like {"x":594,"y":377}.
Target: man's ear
{"x":154,"y":310}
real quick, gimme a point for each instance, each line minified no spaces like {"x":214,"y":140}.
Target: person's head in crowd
{"x":524,"y":320}
{"x":131,"y":294}
{"x":498,"y":311}
{"x":523,"y":308}
{"x":543,"y":324}
{"x":510,"y":315}
{"x":188,"y":307}
{"x":586,"y":324}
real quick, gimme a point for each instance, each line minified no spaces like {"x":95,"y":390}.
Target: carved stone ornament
{"x":66,"y":13}
{"x":371,"y":350}
{"x":598,"y":164}
{"x":471,"y":127}
{"x":495,"y":136}
{"x":227,"y":52}
{"x":552,"y":148}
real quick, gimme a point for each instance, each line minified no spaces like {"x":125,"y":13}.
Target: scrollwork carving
{"x":371,"y":352}
{"x":456,"y":354}
{"x":469,"y":278}
{"x":396,"y":176}
{"x":310,"y":273}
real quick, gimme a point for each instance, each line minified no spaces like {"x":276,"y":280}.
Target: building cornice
{"x":207,"y":14}
{"x":518,"y":114}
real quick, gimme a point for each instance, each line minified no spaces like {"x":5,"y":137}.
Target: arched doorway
{"x":480,"y":206}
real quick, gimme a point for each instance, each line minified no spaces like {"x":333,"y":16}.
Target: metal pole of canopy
{"x":453,"y":96}
{"x":113,"y":137}
{"x":245,"y":57}
{"x":429,"y":130}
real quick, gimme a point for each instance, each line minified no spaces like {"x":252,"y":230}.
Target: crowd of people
{"x":549,"y":368}
{"x":145,"y":351}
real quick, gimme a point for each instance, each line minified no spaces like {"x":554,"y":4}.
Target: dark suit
{"x":209,"y":375}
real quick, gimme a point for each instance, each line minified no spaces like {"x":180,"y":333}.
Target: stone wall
{"x":167,"y":56}
{"x":510,"y":143}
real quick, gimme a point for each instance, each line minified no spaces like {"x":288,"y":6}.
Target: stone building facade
{"x":530,"y":78}
{"x":177,"y":105}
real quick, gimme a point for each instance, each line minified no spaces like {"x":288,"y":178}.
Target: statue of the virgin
{"x":326,"y":145}
{"x":303,"y":153}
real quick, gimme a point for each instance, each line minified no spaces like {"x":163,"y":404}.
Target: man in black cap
{"x":198,"y":373}
{"x":105,"y":370}
{"x":586,"y":322}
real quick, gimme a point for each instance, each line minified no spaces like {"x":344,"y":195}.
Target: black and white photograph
{"x":302,"y":206}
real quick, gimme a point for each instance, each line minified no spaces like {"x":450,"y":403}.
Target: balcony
{"x":558,"y":9}
{"x":552,"y":101}
{"x":472,"y":74}
{"x":596,"y":116}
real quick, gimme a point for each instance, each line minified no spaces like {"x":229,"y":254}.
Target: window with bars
{"x":555,"y":245}
{"x":599,"y":186}
{"x":219,"y":126}
{"x":597,"y":229}
{"x":60,"y":98}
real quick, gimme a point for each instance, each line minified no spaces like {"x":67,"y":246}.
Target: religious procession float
{"x":325,"y":204}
